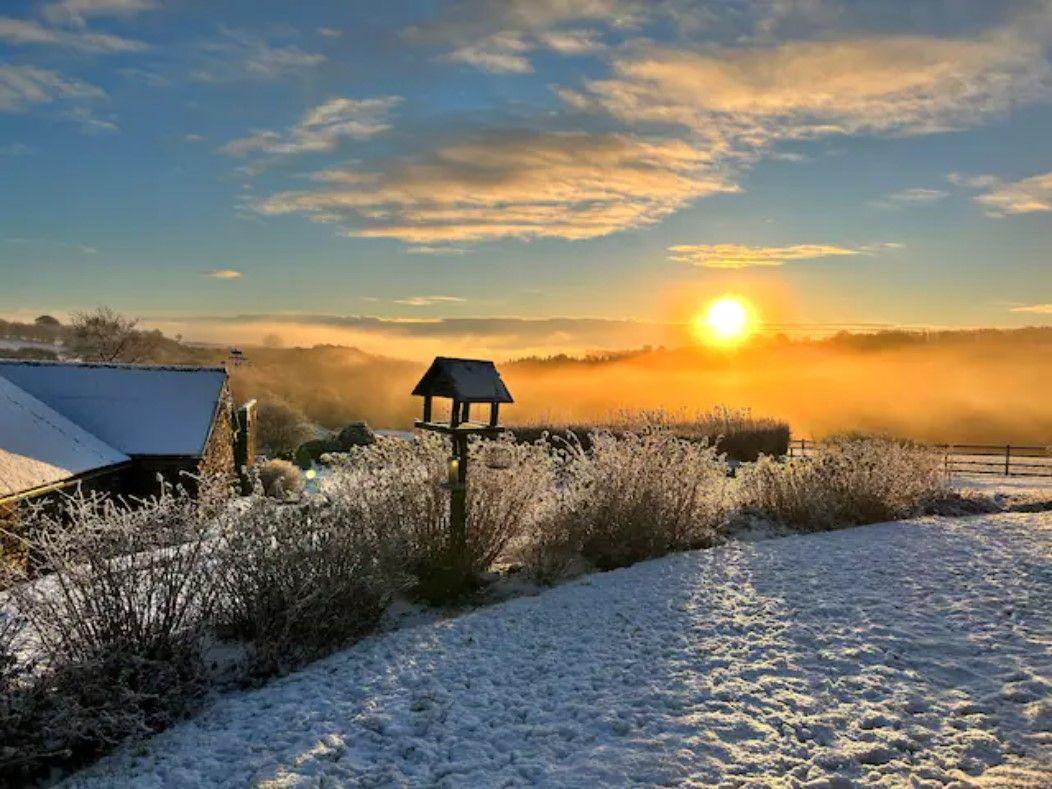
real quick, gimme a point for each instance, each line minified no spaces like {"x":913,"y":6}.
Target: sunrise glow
{"x":726,"y":321}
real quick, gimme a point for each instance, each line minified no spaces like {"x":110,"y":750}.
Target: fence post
{"x":1008,"y":460}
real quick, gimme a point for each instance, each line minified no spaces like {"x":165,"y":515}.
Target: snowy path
{"x":918,"y":649}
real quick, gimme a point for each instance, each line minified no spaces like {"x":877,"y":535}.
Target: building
{"x":111,"y":428}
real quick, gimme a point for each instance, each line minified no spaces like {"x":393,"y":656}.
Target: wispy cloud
{"x":1030,"y":195}
{"x":83,"y":249}
{"x":329,"y":32}
{"x":521,"y":185}
{"x":89,"y":122}
{"x":26,"y":32}
{"x":15,"y":149}
{"x":1036,"y":309}
{"x":77,"y":12}
{"x":239,"y":54}
{"x":223,"y":273}
{"x":912,"y":197}
{"x":752,"y":96}
{"x":21,"y":86}
{"x":322,"y":128}
{"x":507,"y":51}
{"x":499,"y":37}
{"x":735,"y":256}
{"x":428,"y":301}
{"x":499,"y":53}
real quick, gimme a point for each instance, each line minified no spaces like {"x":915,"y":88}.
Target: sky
{"x":536,"y":175}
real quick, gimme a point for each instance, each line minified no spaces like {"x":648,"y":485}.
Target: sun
{"x":726,"y":321}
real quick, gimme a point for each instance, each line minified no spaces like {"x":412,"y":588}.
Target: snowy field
{"x":911,"y":650}
{"x":1039,"y":488}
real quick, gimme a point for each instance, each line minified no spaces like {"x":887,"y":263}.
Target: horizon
{"x":526,"y":178}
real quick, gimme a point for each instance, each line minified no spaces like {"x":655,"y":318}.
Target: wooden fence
{"x":1005,"y":460}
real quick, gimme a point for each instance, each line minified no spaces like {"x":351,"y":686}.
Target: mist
{"x":984,"y":386}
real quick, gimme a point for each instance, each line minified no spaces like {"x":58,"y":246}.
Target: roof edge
{"x":182,"y":368}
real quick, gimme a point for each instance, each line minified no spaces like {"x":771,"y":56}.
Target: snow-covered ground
{"x":1026,"y":487}
{"x":908,"y":651}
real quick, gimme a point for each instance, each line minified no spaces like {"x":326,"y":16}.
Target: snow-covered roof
{"x":467,"y":380}
{"x":39,"y":446}
{"x":139,"y":410}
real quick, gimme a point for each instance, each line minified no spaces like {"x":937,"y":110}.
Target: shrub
{"x":280,"y":479}
{"x":846,"y":481}
{"x":400,"y":489}
{"x":297,"y":581}
{"x":635,"y":496}
{"x":118,"y":620}
{"x":280,"y":428}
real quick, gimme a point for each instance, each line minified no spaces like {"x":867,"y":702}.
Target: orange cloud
{"x":741,"y":256}
{"x":1027,"y":196}
{"x":526,"y":185}
{"x":749,"y":97}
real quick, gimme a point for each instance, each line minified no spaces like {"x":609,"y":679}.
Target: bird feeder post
{"x":463,"y":381}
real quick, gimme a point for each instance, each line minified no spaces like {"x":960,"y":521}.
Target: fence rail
{"x":1004,"y":460}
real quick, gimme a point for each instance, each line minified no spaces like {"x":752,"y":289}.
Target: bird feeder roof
{"x":466,"y":380}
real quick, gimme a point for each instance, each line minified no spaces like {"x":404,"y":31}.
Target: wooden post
{"x":454,"y":414}
{"x":494,"y":411}
{"x":458,"y":505}
{"x":466,"y":411}
{"x":1008,"y":460}
{"x":427,"y":408}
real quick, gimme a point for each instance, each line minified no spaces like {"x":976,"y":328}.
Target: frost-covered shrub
{"x":846,"y":481}
{"x":400,"y":490}
{"x":117,"y":613}
{"x":297,"y":581}
{"x":637,"y":495}
{"x":280,"y":479}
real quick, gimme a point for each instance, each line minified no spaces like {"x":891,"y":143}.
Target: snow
{"x":138,"y":410}
{"x":39,"y":447}
{"x":1026,"y":487}
{"x":901,"y":652}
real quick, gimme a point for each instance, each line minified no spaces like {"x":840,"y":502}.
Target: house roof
{"x":136,"y":409}
{"x":40,"y":447}
{"x":467,"y":380}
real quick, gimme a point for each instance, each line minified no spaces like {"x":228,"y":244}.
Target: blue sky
{"x":228,"y":168}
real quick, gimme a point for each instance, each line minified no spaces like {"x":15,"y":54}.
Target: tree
{"x":280,"y":428}
{"x":106,"y":336}
{"x":47,"y":320}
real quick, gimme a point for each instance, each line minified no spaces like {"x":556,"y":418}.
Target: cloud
{"x":191,"y":138}
{"x":50,"y":243}
{"x":322,"y":128}
{"x":498,"y":37}
{"x":755,"y":95}
{"x":89,"y":123}
{"x":21,"y":86}
{"x":329,"y":32}
{"x":973,"y":181}
{"x":912,"y":197}
{"x":223,"y":273}
{"x":500,"y":53}
{"x":238,"y":54}
{"x":24,"y":32}
{"x":425,"y":338}
{"x":742,"y":256}
{"x":15,"y":149}
{"x":1037,"y":309}
{"x":428,"y":301}
{"x":76,"y":12}
{"x":506,"y":51}
{"x":1030,"y":195}
{"x":572,"y":42}
{"x":570,"y":185}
